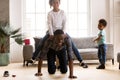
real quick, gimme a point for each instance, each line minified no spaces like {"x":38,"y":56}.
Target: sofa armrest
{"x":109,"y":44}
{"x":118,"y":57}
{"x":37,"y":41}
{"x":110,"y":51}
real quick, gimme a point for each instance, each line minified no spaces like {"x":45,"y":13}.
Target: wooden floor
{"x":27,"y":73}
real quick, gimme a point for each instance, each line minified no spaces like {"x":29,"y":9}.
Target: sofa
{"x":118,"y":59}
{"x":87,"y":48}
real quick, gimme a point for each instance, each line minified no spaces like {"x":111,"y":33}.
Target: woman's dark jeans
{"x":41,"y":43}
{"x":75,"y":50}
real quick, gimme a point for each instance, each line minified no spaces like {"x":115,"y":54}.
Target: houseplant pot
{"x":6,"y":32}
{"x":4,"y":59}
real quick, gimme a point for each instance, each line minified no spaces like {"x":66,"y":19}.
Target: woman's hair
{"x":103,"y":22}
{"x":51,"y":2}
{"x":59,"y":31}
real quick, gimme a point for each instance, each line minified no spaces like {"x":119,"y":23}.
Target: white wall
{"x":99,"y":9}
{"x":15,"y":20}
{"x":110,"y":10}
{"x":116,"y":24}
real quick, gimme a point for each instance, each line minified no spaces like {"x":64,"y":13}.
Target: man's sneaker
{"x":83,"y":65}
{"x":31,"y":61}
{"x":101,"y":66}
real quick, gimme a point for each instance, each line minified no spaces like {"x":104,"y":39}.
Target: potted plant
{"x":6,"y":32}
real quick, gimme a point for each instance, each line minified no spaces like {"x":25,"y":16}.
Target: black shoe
{"x":83,"y":65}
{"x":101,"y":67}
{"x":6,"y":74}
{"x":29,"y":61}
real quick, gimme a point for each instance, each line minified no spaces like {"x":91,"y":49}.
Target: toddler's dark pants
{"x":102,"y":53}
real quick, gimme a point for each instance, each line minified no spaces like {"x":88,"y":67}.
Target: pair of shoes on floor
{"x":102,"y":66}
{"x":84,"y":65}
{"x":6,"y":74}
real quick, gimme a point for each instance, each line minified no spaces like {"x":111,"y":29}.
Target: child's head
{"x":102,"y":24}
{"x":59,"y":37}
{"x":54,"y":3}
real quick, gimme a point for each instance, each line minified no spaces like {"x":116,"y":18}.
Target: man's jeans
{"x":51,"y":58}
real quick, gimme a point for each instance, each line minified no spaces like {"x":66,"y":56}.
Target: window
{"x":35,"y":15}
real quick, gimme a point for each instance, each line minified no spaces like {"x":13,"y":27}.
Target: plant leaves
{"x":14,"y":31}
{"x":19,"y":41}
{"x":17,"y":35}
{"x":3,"y":33}
{"x":7,"y":32}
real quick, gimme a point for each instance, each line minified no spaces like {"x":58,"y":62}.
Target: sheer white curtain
{"x":35,"y":15}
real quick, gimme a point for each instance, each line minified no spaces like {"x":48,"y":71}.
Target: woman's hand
{"x":51,"y":37}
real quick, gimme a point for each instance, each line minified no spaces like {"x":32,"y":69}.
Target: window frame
{"x":89,"y":28}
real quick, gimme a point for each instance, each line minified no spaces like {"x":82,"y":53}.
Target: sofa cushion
{"x":88,"y":50}
{"x":82,"y":43}
{"x":88,"y":54}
